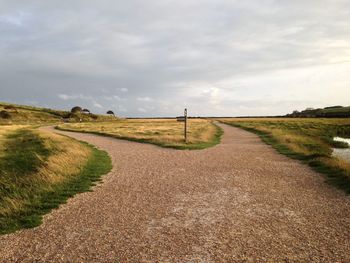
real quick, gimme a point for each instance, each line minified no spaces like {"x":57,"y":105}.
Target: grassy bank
{"x":38,"y":174}
{"x":166,"y":133}
{"x":26,"y":115}
{"x":309,"y":140}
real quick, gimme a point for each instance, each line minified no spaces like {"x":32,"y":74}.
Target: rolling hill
{"x":21,"y":114}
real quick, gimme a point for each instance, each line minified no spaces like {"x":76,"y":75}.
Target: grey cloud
{"x":199,"y":54}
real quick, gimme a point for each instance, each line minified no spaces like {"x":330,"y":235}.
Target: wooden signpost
{"x":184,"y":119}
{"x":185,"y":131}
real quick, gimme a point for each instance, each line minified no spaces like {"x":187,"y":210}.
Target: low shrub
{"x":5,"y":114}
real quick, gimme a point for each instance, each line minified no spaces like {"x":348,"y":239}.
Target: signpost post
{"x":185,"y":115}
{"x":184,"y":119}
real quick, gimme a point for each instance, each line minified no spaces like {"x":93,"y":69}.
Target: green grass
{"x":30,"y":187}
{"x":165,"y":133}
{"x":308,"y":140}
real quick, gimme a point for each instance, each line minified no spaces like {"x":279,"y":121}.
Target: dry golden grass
{"x":6,"y":129}
{"x":60,"y":166}
{"x":20,"y":114}
{"x":165,"y":132}
{"x":27,"y":116}
{"x":39,"y":171}
{"x":337,"y":163}
{"x":67,"y":158}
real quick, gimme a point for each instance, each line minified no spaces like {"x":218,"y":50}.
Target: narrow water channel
{"x":342,"y":153}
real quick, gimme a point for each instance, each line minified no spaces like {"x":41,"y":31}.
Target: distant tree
{"x":76,"y":109}
{"x":86,"y":111}
{"x":5,"y":115}
{"x":110,"y":112}
{"x":295,"y":113}
{"x":334,"y":107}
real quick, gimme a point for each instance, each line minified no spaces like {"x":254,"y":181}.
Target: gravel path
{"x":239,"y":201}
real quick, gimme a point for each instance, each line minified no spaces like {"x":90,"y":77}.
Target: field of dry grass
{"x":164,"y":132}
{"x":18,"y":115}
{"x":307,"y":139}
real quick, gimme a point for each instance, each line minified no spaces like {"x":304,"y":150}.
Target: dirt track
{"x":236,"y":202}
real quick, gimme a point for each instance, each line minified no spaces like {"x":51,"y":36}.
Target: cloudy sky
{"x":153,"y":58}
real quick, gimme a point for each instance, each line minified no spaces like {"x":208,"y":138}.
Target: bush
{"x":339,"y":144}
{"x":9,"y":107}
{"x":94,"y":116}
{"x":5,"y":115}
{"x":76,"y":109}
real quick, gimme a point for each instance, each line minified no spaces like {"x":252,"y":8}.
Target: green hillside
{"x":21,"y":114}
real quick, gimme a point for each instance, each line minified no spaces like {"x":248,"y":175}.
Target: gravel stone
{"x":239,"y":201}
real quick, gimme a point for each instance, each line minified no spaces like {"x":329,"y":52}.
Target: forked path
{"x":236,"y":202}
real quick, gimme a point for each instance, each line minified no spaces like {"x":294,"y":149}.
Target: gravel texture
{"x":237,"y":202}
